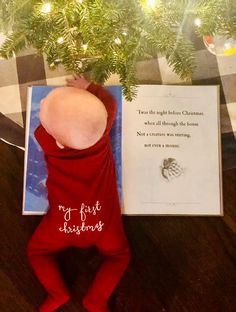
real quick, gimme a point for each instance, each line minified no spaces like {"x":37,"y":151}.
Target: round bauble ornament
{"x":220,"y":45}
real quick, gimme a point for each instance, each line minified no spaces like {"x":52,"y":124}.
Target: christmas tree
{"x":106,"y":37}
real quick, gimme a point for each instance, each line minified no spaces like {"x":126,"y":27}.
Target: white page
{"x":189,"y":182}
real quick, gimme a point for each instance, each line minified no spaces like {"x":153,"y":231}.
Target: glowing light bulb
{"x":85,"y":46}
{"x":46,"y":8}
{"x":197,"y":22}
{"x":60,"y":40}
{"x":57,"y":61}
{"x":117,"y":41}
{"x":151,"y":3}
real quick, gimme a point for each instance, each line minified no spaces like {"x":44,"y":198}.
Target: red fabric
{"x":83,"y":211}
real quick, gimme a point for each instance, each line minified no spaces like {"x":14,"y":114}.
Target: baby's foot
{"x":53,"y":303}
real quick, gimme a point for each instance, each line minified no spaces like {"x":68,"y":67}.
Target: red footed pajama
{"x":83,"y":211}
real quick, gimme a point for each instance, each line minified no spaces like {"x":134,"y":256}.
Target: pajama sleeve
{"x":43,"y":138}
{"x":108,"y":101}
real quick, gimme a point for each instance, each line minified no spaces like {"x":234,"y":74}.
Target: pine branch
{"x":13,"y":44}
{"x":218,"y":17}
{"x":109,"y":37}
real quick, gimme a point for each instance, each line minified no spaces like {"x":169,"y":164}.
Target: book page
{"x":171,"y":151}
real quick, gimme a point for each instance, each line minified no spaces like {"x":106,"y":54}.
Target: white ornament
{"x":220,"y":45}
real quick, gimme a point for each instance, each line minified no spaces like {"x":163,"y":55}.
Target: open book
{"x":166,"y":145}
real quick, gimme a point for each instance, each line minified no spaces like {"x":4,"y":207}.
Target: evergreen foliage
{"x":106,"y":36}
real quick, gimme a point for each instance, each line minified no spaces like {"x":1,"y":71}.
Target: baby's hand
{"x":78,"y":82}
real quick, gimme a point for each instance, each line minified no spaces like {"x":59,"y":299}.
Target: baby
{"x":82,"y":192}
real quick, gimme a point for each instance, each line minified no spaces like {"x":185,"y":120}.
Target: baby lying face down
{"x":84,"y":207}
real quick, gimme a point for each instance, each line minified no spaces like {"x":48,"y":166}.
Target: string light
{"x":57,"y":61}
{"x":117,"y":41}
{"x":151,"y":3}
{"x":85,"y":46}
{"x":46,"y":8}
{"x":60,"y":40}
{"x":197,"y":22}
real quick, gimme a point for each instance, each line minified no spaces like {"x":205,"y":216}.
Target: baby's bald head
{"x":74,"y":117}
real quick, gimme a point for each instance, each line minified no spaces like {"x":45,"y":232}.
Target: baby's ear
{"x":42,"y":101}
{"x":60,"y":145}
{"x":42,"y":111}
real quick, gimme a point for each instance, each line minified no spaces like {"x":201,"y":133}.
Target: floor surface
{"x":179,"y":264}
